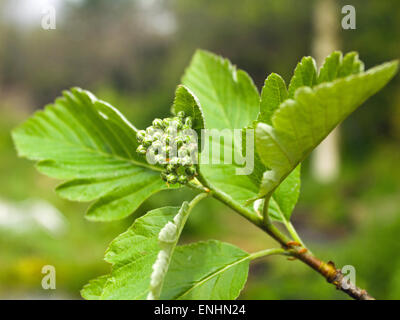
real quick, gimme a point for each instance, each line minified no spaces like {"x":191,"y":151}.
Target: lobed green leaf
{"x":90,"y":144}
{"x":229,"y":100}
{"x":301,"y":123}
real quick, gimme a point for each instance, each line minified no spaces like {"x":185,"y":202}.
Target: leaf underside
{"x":301,"y":123}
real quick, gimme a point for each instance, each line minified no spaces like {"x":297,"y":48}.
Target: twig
{"x":327,"y":270}
{"x":332,"y":275}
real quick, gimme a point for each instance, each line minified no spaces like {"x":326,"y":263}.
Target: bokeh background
{"x":132,"y":54}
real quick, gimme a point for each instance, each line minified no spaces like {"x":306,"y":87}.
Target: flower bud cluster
{"x":172,"y":143}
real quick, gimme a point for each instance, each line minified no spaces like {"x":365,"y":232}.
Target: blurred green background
{"x":132,"y":54}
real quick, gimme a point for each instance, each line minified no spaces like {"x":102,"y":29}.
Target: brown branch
{"x":331,"y":274}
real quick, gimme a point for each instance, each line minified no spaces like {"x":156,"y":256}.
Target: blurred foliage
{"x":132,"y":54}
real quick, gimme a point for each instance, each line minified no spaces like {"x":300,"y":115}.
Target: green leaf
{"x":273,"y":94}
{"x":168,"y":239}
{"x":228,"y":96}
{"x":350,"y":64}
{"x":133,"y":253}
{"x":285,"y":197}
{"x":329,"y":71}
{"x":300,"y":124}
{"x":305,"y":75}
{"x":335,"y":66}
{"x":221,"y":274}
{"x":209,"y":270}
{"x":185,"y":101}
{"x":94,"y":289}
{"x":89,"y":143}
{"x":229,"y":100}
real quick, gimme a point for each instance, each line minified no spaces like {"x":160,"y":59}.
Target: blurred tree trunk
{"x":326,"y":20}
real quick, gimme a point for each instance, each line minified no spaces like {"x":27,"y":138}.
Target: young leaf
{"x":305,"y":75}
{"x":229,"y":100}
{"x":209,"y":270}
{"x":228,"y":96}
{"x":168,"y":239}
{"x":329,"y":71}
{"x":185,"y":101}
{"x":89,"y":143}
{"x":220,"y":275}
{"x":273,"y":94}
{"x":285,"y":197}
{"x":351,"y":64}
{"x":335,"y":66}
{"x":300,"y":124}
{"x":94,"y":289}
{"x":132,"y":254}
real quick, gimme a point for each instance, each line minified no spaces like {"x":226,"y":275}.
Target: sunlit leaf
{"x":300,"y":124}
